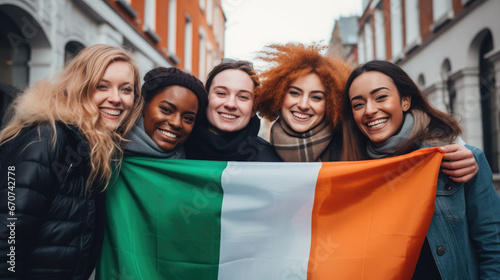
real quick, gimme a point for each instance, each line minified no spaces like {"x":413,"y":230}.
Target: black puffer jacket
{"x":51,"y":229}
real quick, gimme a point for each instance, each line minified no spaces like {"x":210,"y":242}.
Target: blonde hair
{"x":292,"y":61}
{"x":68,"y":98}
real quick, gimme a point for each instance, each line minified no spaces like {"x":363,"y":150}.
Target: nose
{"x":230,"y":102}
{"x":371,"y":108}
{"x":175,"y":121}
{"x":303,"y":103}
{"x":114,"y":96}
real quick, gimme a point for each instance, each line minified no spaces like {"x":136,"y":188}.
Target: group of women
{"x":65,"y":137}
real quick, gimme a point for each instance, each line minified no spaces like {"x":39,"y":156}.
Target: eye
{"x":317,"y":97}
{"x":381,"y":97}
{"x":244,"y":97}
{"x":102,"y":87}
{"x":189,"y":119}
{"x":127,"y":89}
{"x":293,"y":93}
{"x":220,"y":93}
{"x":357,"y":105}
{"x":166,"y":110}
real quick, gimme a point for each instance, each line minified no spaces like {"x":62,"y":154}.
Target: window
{"x":421,"y":81}
{"x":201,"y":3}
{"x":216,"y":24}
{"x":150,"y":20}
{"x":412,"y":23}
{"x":489,"y":111}
{"x":202,"y":64}
{"x":368,"y":36}
{"x":361,"y":49}
{"x":150,"y":15}
{"x":396,"y":29}
{"x":126,"y":5}
{"x":210,"y":12}
{"x":210,"y":57}
{"x":71,"y":49}
{"x":379,"y":33}
{"x":440,"y":9}
{"x":172,"y":27}
{"x":188,"y":45}
{"x":15,"y":54}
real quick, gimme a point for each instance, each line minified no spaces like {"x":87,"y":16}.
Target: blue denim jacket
{"x":464,"y":234}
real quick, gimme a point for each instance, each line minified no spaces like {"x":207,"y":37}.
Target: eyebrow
{"x":314,"y":91}
{"x":124,"y":83}
{"x":371,"y":92}
{"x":170,"y":104}
{"x":175,"y":107}
{"x":225,"y":88}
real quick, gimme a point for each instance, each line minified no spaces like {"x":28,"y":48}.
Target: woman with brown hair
{"x":62,"y":141}
{"x":228,"y":131}
{"x":385,"y":115}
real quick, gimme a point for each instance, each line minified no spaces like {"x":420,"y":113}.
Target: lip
{"x":299,"y":119}
{"x":110,"y":113}
{"x":377,"y":124}
{"x":162,"y":133}
{"x":224,"y":117}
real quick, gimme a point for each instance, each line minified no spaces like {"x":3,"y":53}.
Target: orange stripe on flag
{"x":372,"y":227}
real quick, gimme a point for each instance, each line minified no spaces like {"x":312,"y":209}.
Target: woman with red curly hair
{"x":303,"y":91}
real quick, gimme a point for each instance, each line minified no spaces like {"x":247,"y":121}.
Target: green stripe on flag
{"x":184,"y":203}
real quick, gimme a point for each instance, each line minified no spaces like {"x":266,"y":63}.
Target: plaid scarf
{"x":309,"y":146}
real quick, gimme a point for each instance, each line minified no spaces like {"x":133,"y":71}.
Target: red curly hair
{"x":292,"y":61}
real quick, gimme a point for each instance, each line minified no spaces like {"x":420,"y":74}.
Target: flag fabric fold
{"x":187,"y":219}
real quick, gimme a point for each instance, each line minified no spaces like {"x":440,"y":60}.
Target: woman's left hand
{"x":458,"y":163}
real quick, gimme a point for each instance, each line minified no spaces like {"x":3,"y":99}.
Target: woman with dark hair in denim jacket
{"x":386,"y":115}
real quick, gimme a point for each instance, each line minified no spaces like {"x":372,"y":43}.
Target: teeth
{"x":111,"y":112}
{"x":377,"y":123}
{"x":166,"y":133}
{"x":228,"y":116}
{"x":300,"y":116}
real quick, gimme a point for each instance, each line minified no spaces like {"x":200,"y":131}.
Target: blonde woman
{"x":58,"y":149}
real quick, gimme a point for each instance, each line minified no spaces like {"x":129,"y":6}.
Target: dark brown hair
{"x":236,"y":65}
{"x":442,"y":126}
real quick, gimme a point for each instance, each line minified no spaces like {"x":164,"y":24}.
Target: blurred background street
{"x":451,"y":48}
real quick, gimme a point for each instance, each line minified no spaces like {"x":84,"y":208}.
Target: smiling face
{"x":114,"y":94}
{"x":304,"y":104}
{"x":230,"y":101}
{"x":376,"y":105}
{"x":170,"y":115}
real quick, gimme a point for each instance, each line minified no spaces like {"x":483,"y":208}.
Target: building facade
{"x":451,"y":48}
{"x":38,"y":37}
{"x":343,"y":42}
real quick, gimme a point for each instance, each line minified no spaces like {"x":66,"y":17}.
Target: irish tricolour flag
{"x":182,"y":219}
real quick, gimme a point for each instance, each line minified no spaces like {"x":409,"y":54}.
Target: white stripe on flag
{"x":266,"y":220}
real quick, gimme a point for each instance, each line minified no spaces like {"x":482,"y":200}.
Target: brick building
{"x":451,"y":48}
{"x":38,"y":37}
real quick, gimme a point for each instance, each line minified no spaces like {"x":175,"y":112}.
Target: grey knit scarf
{"x":415,"y":122}
{"x":142,"y":145}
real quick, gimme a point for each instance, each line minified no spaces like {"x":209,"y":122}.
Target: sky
{"x":253,"y":24}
